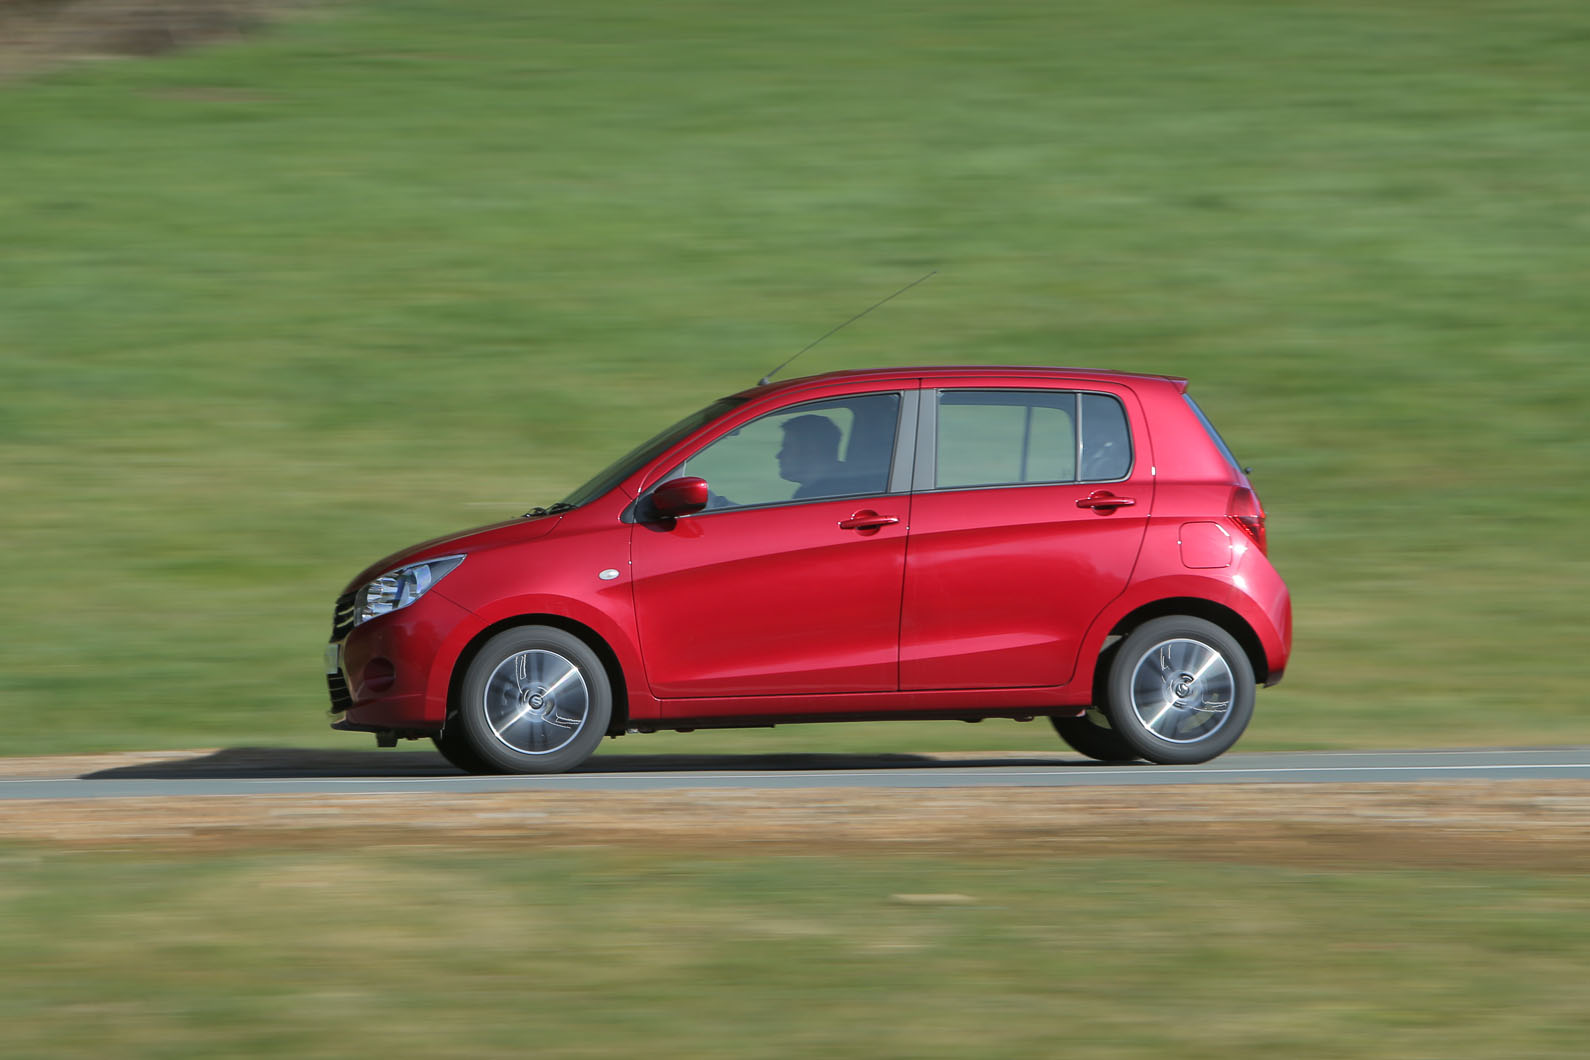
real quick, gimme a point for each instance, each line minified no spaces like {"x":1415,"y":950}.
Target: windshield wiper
{"x":538,"y":511}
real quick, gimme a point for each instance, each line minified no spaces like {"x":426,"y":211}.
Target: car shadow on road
{"x":297,"y":762}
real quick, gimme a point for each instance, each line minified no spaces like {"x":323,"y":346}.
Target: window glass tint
{"x":1106,"y":441}
{"x":1005,"y":437}
{"x":831,"y":448}
{"x":1214,"y":435}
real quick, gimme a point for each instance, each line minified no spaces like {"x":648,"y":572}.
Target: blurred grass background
{"x":586,"y":953}
{"x":273,"y":308}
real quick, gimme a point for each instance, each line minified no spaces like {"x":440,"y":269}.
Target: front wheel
{"x":454,"y":745}
{"x":1180,"y":690}
{"x":534,"y":700}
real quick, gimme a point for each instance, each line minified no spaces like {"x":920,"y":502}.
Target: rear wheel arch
{"x":1108,"y":745}
{"x":1193,"y":607}
{"x":592,"y":640}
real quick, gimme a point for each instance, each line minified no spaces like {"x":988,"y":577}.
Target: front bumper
{"x":390,"y":674}
{"x":336,"y":681}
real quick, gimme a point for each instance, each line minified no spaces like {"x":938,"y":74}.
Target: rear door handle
{"x":1104,"y":501}
{"x":867,"y":521}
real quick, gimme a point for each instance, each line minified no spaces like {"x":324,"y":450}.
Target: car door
{"x":789,"y":582}
{"x":1029,"y":511}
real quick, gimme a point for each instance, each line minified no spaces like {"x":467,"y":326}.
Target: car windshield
{"x":631,"y":461}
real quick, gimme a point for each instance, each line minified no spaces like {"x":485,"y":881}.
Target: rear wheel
{"x":534,"y":700}
{"x":1091,"y":735}
{"x":1180,"y":690}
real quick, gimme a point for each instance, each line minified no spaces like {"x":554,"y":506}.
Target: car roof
{"x":1003,"y":373}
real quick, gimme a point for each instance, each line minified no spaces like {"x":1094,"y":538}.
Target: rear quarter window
{"x":1106,"y":439}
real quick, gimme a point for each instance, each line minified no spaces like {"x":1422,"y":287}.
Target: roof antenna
{"x":768,"y":378}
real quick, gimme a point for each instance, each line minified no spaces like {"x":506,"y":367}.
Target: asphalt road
{"x":279,"y":771}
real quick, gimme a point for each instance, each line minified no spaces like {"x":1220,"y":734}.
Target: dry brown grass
{"x":39,"y":34}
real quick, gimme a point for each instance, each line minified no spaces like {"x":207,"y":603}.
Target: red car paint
{"x":920,"y":591}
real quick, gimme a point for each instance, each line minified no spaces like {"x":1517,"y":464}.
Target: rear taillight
{"x":1248,"y":513}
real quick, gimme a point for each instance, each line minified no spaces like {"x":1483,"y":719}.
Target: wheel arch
{"x":1195,"y":607}
{"x":593,"y":640}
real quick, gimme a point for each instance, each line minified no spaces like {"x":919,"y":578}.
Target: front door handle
{"x":867,"y":521}
{"x":1104,"y":502}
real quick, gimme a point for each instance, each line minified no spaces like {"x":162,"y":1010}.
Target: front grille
{"x":342,"y":618}
{"x":341,"y":698}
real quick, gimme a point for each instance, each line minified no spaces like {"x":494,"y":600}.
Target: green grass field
{"x":271,"y":309}
{"x":593,"y":953}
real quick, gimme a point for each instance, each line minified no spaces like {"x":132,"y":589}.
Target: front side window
{"x":1019,"y":437}
{"x":835,"y":448}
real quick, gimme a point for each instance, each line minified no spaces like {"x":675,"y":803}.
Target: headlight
{"x":401,"y":587}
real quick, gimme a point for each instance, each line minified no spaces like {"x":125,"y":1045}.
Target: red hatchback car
{"x":959,"y":543}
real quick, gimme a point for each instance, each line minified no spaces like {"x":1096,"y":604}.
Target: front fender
{"x":611,"y":618}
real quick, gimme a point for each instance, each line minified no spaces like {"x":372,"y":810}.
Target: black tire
{"x":534,"y":700}
{"x":1092,"y":736}
{"x":1180,"y":691}
{"x":454,"y":746}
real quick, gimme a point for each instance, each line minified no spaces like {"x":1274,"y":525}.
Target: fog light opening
{"x":379,"y":676}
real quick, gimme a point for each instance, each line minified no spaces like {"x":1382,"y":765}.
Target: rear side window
{"x":1019,"y":437}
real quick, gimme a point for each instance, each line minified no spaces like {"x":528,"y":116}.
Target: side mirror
{"x":680,"y":496}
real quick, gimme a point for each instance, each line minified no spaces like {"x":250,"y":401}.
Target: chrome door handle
{"x":1105,"y":501}
{"x":867,"y":521}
